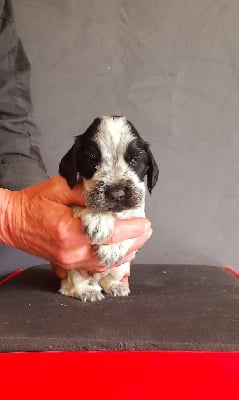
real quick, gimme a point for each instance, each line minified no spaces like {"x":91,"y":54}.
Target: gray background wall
{"x":172,"y":67}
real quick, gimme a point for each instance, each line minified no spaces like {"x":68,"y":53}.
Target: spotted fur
{"x":111,"y":160}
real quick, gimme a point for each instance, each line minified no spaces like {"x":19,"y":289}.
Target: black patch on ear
{"x":137,"y":157}
{"x":141,"y":159}
{"x":83,"y":157}
{"x":153,"y":170}
{"x":88,"y":158}
{"x":68,"y":166}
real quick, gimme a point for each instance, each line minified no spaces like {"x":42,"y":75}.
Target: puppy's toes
{"x":118,"y":289}
{"x":90,"y":295}
{"x":87,"y":294}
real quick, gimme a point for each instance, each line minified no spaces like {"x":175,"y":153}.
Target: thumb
{"x":65,"y":195}
{"x":56,"y":189}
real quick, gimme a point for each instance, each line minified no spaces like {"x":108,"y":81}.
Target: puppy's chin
{"x":117,"y":208}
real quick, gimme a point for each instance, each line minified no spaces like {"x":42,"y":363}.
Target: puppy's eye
{"x":91,"y":154}
{"x":133,"y":160}
{"x":134,"y":157}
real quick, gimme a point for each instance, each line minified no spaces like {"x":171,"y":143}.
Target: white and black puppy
{"x":111,"y":161}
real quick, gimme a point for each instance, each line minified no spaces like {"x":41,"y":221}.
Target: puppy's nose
{"x":117,"y":194}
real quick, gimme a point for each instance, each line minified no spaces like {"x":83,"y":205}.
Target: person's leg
{"x":20,"y":160}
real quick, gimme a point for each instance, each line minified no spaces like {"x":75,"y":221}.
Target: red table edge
{"x":180,"y":374}
{"x":232,"y":271}
{"x":11,"y":276}
{"x":187,"y":375}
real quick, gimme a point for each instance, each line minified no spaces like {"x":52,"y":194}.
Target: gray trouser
{"x":20,"y":161}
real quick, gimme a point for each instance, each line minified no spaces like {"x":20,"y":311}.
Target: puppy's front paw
{"x":110,"y":254}
{"x":90,"y":295}
{"x":118,"y":289}
{"x":98,"y":227}
{"x":85,"y":294}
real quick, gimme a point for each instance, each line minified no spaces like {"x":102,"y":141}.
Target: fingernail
{"x":147,"y":225}
{"x":150,"y":231}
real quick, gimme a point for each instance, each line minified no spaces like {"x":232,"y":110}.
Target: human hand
{"x":124,"y":229}
{"x":38,"y":220}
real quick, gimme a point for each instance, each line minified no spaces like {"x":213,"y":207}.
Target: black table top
{"x":171,"y":307}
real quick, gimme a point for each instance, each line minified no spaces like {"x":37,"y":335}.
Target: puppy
{"x":111,"y":161}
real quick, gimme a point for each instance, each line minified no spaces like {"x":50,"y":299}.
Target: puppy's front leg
{"x":111,"y":254}
{"x":98,"y":227}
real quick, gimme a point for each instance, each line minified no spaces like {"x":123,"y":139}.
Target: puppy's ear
{"x":68,"y":166}
{"x":152,"y":172}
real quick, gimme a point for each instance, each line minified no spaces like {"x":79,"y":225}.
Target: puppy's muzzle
{"x":116,"y":197}
{"x":119,"y":196}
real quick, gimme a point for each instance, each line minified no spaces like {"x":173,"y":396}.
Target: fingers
{"x":59,"y":271}
{"x":90,"y":262}
{"x":129,"y":229}
{"x":140,"y":241}
{"x":136,"y":245}
{"x":129,"y":257}
{"x":137,"y":228}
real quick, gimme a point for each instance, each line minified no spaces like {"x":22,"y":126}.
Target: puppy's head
{"x":111,"y":160}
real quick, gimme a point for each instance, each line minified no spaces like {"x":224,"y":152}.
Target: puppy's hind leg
{"x":84,"y":289}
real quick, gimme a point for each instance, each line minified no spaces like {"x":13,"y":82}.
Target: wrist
{"x":6,"y":208}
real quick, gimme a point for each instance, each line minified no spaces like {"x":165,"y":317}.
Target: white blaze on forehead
{"x":113,"y":137}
